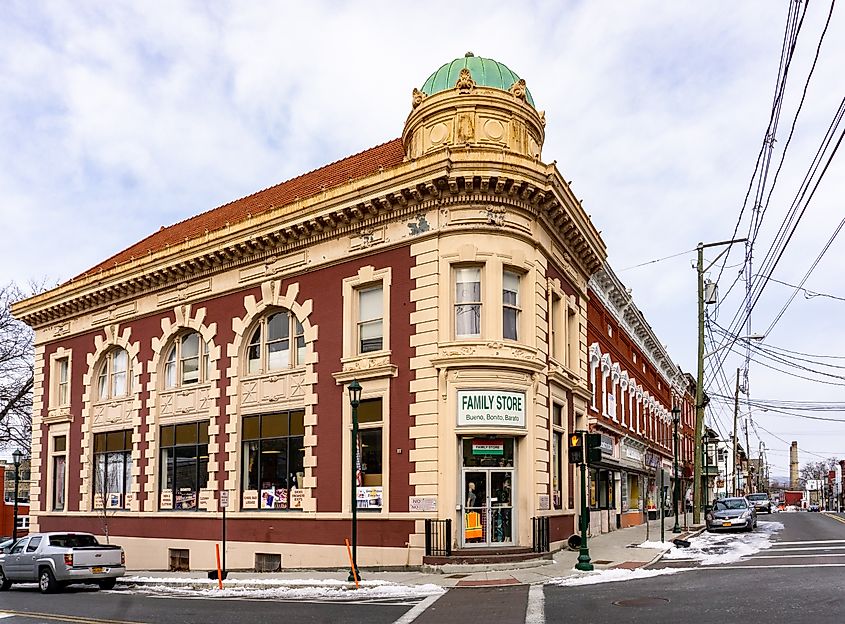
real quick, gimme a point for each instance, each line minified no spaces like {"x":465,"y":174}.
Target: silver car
{"x":732,"y":513}
{"x":58,"y":559}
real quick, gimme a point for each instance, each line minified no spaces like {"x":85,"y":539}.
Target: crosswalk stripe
{"x":767,"y":567}
{"x":414,"y":612}
{"x":808,"y":548}
{"x":834,"y":541}
{"x":535,"y":611}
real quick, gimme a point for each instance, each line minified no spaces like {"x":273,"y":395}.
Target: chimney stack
{"x":793,"y":466}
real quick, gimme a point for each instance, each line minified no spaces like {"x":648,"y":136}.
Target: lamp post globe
{"x":16,"y":460}
{"x":676,"y":494}
{"x":354,"y":389}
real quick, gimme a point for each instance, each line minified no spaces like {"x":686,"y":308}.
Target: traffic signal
{"x":576,"y":448}
{"x":593,"y":448}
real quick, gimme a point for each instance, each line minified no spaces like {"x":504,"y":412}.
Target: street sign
{"x":224,"y":499}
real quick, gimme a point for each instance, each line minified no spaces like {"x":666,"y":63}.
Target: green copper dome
{"x":485,"y":72}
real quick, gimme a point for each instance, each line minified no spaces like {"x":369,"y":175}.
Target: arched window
{"x":277,"y":342}
{"x":115,"y":375}
{"x":187,"y":361}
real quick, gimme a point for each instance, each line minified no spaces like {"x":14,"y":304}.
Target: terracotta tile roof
{"x":327,"y":177}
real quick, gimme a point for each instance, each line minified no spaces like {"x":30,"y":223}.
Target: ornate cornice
{"x":431,"y":181}
{"x":617,"y":299}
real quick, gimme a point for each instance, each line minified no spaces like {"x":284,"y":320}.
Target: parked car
{"x":732,"y":513}
{"x":814,"y":507}
{"x":761,"y":502}
{"x":55,"y":560}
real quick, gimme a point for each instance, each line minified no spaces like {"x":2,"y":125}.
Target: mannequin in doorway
{"x":472,"y":497}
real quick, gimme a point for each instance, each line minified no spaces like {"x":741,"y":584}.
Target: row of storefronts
{"x":450,"y":272}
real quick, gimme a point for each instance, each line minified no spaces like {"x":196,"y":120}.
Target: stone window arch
{"x":187,"y":360}
{"x":114,"y":375}
{"x":276,"y":342}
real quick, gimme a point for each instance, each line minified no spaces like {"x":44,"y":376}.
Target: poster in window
{"x":186,"y":498}
{"x":128,"y":500}
{"x":205,"y":499}
{"x":297,"y":496}
{"x":281,"y":501}
{"x":113,"y":500}
{"x":98,"y":501}
{"x":250,"y":499}
{"x":268,"y":498}
{"x":166,"y":500}
{"x":370,"y":497}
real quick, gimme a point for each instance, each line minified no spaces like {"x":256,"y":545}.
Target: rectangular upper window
{"x":370,"y":319}
{"x":62,"y":381}
{"x":510,"y":305}
{"x":468,"y":302}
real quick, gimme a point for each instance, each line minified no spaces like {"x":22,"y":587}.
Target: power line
{"x":806,"y":277}
{"x":809,"y":294}
{"x":636,"y":266}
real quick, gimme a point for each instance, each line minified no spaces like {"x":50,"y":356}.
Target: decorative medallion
{"x":465,"y":81}
{"x":518,"y":89}
{"x":417,"y":97}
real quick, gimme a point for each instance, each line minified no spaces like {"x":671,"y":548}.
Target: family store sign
{"x":491,"y":408}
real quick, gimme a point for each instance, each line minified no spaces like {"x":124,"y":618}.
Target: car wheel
{"x":107,"y":583}
{"x":4,"y":582}
{"x":47,"y":582}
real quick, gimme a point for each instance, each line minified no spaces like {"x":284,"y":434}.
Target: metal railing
{"x":541,"y":534}
{"x":438,"y":538}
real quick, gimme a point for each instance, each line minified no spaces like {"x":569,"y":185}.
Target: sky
{"x":117,"y":118}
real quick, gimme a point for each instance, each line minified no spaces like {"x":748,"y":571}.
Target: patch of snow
{"x":613,"y":575}
{"x":282,"y":589}
{"x":722,"y":548}
{"x":656,"y":545}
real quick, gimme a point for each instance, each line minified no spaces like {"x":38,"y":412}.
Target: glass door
{"x":476,"y":510}
{"x":487,"y":492}
{"x":501,"y":506}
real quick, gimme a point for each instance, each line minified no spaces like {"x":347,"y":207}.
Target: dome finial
{"x":468,"y":54}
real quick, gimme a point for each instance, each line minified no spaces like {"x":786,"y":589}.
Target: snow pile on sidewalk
{"x":656,"y":545}
{"x":281,"y":589}
{"x":611,"y":575}
{"x":723,"y":548}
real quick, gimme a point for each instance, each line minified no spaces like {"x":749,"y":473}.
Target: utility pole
{"x":747,"y":453}
{"x":699,"y":384}
{"x":735,"y":475}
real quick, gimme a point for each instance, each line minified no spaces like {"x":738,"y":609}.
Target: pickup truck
{"x":55,"y":560}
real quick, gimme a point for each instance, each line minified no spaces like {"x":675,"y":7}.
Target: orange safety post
{"x":351,"y":564}
{"x":219,"y":571}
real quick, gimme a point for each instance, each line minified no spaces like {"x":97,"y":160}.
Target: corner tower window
{"x":468,"y":302}
{"x":510,"y":305}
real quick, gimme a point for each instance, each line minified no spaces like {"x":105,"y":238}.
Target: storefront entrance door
{"x":487,"y":495}
{"x":488,"y":507}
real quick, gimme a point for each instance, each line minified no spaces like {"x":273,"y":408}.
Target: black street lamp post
{"x":676,"y":418}
{"x":16,"y":459}
{"x":354,"y":401}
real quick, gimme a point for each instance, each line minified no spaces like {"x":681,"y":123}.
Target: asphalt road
{"x":800,"y":578}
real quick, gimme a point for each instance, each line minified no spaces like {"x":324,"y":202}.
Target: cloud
{"x":119,"y":118}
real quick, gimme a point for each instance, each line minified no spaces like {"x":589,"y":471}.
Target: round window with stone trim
{"x":277,"y":342}
{"x":187,"y":361}
{"x":114,"y":375}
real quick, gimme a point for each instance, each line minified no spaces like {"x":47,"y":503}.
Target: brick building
{"x":446,"y":271}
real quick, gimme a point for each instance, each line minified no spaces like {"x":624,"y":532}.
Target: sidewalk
{"x":611,"y":550}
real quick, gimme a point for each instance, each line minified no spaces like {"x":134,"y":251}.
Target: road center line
{"x":414,"y":612}
{"x":797,"y":556}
